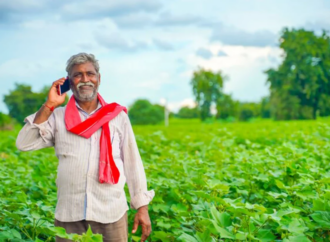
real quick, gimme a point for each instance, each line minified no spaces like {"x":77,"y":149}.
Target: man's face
{"x":84,"y":82}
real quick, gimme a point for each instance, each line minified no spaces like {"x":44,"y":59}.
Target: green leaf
{"x":163,"y":224}
{"x":224,"y":233}
{"x":252,"y":227}
{"x":161,"y":235}
{"x":97,"y":238}
{"x":205,"y":236}
{"x":241,"y":235}
{"x":322,"y":218}
{"x":187,"y":238}
{"x":297,"y":226}
{"x":136,"y":238}
{"x":265,"y":235}
{"x":225,"y":219}
{"x":298,"y":238}
{"x":216,"y":215}
{"x":179,"y":208}
{"x":15,"y":233}
{"x":321,"y":205}
{"x":59,"y":231}
{"x":89,"y":231}
{"x":307,"y":194}
{"x":222,"y":219}
{"x":6,"y":235}
{"x":35,"y":215}
{"x":279,"y":184}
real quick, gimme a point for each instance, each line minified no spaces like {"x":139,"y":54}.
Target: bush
{"x":143,"y":112}
{"x":186,"y":112}
{"x":6,"y":122}
{"x":248,"y":111}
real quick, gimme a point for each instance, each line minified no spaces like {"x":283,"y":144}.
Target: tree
{"x":6,"y":121}
{"x":22,"y":101}
{"x":248,"y":110}
{"x":299,"y":85}
{"x":207,"y":89}
{"x":226,"y":107}
{"x":265,"y":107}
{"x":143,"y":112}
{"x":324,"y":105}
{"x":186,"y":112}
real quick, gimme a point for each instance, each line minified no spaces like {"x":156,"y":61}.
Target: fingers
{"x":146,"y":231}
{"x":58,"y":82}
{"x":53,"y":95}
{"x":149,"y":229}
{"x":143,"y":220}
{"x":135,"y":225}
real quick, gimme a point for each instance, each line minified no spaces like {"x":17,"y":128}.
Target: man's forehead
{"x":88,"y":66}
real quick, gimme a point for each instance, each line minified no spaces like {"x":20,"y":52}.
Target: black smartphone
{"x":65,"y":87}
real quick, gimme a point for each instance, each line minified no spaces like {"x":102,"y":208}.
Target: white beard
{"x":85,"y":97}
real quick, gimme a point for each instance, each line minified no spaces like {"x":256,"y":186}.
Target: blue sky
{"x":150,"y":48}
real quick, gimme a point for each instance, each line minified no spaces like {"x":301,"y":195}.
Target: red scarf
{"x":108,"y":171}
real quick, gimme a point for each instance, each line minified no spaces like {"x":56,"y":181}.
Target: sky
{"x":150,"y":48}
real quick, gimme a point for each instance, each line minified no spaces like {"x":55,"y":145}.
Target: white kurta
{"x":79,"y":193}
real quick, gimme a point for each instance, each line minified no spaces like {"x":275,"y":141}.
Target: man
{"x":97,"y":152}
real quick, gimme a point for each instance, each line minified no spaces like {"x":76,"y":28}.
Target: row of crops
{"x":262,"y":181}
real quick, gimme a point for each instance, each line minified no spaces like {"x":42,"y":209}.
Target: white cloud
{"x":163,"y":45}
{"x":221,"y":53}
{"x":175,"y":106}
{"x":100,"y":9}
{"x":115,"y":41}
{"x":247,"y":80}
{"x":317,"y":26}
{"x":204,"y":53}
{"x":168,"y":19}
{"x":134,"y":20}
{"x":229,"y":35}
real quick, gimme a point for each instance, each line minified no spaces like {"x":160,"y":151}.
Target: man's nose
{"x":84,"y":78}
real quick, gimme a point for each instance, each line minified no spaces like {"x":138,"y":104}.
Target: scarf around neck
{"x":108,"y":171}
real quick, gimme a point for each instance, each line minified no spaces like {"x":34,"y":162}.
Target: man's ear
{"x":99,"y":78}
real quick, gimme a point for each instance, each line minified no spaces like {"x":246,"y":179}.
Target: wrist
{"x":50,"y":104}
{"x":143,"y":208}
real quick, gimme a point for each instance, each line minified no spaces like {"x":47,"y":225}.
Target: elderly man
{"x":97,"y":152}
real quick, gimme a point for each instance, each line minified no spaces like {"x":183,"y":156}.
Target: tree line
{"x":299,"y":86}
{"x":299,"y":89}
{"x":230,"y":110}
{"x":23,"y":101}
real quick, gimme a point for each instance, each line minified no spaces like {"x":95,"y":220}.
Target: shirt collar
{"x":89,"y":114}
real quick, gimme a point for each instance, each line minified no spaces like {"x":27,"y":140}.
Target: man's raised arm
{"x":38,"y":132}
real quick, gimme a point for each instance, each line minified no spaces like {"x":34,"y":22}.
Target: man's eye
{"x":91,"y":74}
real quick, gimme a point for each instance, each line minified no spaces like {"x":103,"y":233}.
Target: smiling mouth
{"x":86,"y":87}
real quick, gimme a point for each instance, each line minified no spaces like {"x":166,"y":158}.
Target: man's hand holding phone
{"x":54,"y":97}
{"x":54,"y":100}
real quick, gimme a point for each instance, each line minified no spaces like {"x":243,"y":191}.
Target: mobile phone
{"x":65,"y":87}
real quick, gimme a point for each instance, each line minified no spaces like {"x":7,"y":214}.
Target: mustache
{"x":85,"y":84}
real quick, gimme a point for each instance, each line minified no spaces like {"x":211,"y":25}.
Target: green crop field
{"x":258,"y":181}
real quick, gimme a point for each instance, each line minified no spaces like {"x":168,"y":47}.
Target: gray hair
{"x":81,"y":58}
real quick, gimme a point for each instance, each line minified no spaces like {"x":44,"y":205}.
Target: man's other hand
{"x":142,"y":218}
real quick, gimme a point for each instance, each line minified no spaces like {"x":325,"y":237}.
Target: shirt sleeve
{"x":133,"y":168}
{"x":36,"y":136}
